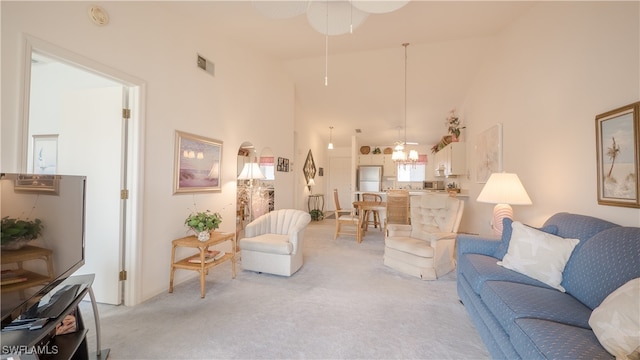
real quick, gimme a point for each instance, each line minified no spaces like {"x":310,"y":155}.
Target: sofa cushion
{"x":509,"y":301}
{"x":576,"y":226}
{"x":478,"y":268}
{"x":268,"y":243}
{"x":616,"y":322}
{"x":602,"y":264}
{"x":538,"y":254}
{"x":544,"y":339}
{"x":501,"y":251}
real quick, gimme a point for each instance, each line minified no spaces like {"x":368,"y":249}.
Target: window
{"x":410,"y":173}
{"x":267,"y":167}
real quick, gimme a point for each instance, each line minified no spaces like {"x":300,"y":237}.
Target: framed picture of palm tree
{"x":618,"y":151}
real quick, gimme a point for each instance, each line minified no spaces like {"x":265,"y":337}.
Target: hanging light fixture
{"x":399,"y":155}
{"x":346,"y":15}
{"x":330,"y":146}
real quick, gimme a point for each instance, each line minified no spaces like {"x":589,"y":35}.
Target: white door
{"x":90,"y":144}
{"x":340,"y":178}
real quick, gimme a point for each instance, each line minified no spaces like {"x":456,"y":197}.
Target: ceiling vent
{"x":358,"y":131}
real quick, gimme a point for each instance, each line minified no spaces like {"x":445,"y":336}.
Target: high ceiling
{"x":374,"y":47}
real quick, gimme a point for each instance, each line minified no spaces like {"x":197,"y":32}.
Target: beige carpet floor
{"x":342,"y":304}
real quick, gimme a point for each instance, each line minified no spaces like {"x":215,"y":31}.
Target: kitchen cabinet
{"x":371,"y":159}
{"x":389,"y":167}
{"x":451,"y":160}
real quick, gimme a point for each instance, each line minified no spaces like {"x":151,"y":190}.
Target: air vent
{"x":358,"y":131}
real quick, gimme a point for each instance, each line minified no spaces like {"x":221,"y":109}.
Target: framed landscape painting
{"x":197,"y":164}
{"x":618,"y":156}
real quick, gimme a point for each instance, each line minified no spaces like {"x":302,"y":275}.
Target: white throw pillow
{"x":538,"y":254}
{"x":616,"y":322}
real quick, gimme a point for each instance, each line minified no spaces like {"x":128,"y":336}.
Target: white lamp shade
{"x":504,"y":188}
{"x":251,"y":171}
{"x":311,"y":182}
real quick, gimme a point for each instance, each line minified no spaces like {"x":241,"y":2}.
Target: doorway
{"x":76,"y":100}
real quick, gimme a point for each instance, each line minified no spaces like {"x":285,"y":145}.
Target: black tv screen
{"x":29,"y":273}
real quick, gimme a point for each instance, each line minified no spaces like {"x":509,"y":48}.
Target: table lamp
{"x":251,"y":171}
{"x":504,"y":190}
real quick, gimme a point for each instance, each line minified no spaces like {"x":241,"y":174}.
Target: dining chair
{"x":372,"y":216}
{"x":397,"y":208}
{"x":345,"y":217}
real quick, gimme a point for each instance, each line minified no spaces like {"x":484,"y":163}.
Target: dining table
{"x":362,"y":206}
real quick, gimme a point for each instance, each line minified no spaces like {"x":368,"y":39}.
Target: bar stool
{"x":372,"y":213}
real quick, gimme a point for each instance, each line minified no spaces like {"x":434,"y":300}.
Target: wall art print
{"x":618,"y":156}
{"x":488,"y":153}
{"x":198,"y":161}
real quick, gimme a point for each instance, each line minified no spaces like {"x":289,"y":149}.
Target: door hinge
{"x":126,"y":113}
{"x":124,"y":194}
{"x":123,"y":275}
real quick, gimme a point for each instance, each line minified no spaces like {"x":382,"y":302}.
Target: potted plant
{"x":17,"y":233}
{"x":316,"y":215}
{"x":453,"y":123}
{"x":202,"y":223}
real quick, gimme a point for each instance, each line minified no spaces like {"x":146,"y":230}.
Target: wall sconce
{"x":310,"y":184}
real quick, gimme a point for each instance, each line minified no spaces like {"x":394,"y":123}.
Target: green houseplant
{"x":17,"y":233}
{"x":203,"y":222}
{"x":316,"y":215}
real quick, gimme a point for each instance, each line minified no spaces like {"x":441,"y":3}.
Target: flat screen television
{"x":58,"y":201}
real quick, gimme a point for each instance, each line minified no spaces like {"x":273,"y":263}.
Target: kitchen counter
{"x":463,"y":193}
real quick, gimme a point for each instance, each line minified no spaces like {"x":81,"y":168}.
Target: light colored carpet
{"x":342,"y":304}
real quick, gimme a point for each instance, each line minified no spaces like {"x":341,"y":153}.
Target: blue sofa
{"x":519,"y":317}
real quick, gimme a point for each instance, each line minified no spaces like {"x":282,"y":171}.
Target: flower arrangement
{"x":16,"y":233}
{"x":453,"y":123}
{"x":204,"y":221}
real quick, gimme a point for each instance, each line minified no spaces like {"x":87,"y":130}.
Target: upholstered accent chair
{"x":273,"y":242}
{"x":346,"y":217}
{"x":426,"y":248}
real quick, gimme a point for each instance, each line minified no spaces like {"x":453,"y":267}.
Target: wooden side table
{"x":202,"y":267}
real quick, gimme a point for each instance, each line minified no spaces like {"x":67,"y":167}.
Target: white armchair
{"x":273,"y":242}
{"x":426,"y":248}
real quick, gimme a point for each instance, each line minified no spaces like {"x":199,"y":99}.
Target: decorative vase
{"x":204,"y":235}
{"x":454,"y":138}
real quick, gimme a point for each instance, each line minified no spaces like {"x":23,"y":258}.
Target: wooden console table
{"x":202,"y":267}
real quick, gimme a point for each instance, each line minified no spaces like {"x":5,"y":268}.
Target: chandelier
{"x":399,"y":155}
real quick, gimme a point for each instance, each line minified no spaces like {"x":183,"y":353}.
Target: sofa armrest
{"x":398,"y":230}
{"x":476,"y":244}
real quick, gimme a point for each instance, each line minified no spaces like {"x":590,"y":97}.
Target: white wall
{"x":249,"y":99}
{"x":551,"y":73}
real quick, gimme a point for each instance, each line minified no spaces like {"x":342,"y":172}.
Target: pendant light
{"x":330,"y":146}
{"x":399,"y":155}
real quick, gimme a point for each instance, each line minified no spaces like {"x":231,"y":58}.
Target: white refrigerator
{"x":370,"y":178}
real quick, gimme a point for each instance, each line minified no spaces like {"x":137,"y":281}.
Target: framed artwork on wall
{"x":488,"y":153}
{"x":283,"y":164}
{"x":309,"y":168}
{"x":198,"y":161}
{"x":45,"y":154}
{"x":618,"y":156}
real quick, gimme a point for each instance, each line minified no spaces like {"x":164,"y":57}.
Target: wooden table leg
{"x":173,"y":269}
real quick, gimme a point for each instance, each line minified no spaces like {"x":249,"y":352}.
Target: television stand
{"x":43,"y":344}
